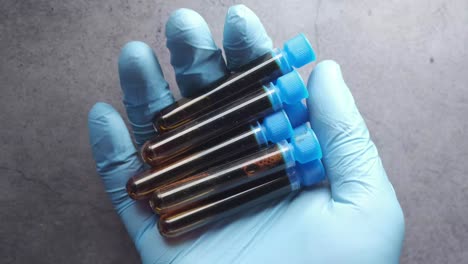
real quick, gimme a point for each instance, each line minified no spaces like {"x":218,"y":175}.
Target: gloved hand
{"x":356,"y":218}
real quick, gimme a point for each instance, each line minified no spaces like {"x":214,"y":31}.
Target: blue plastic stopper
{"x":306,"y":145}
{"x":299,"y":51}
{"x":302,"y":129}
{"x":297,"y":113}
{"x":311,"y":172}
{"x":292,"y":88}
{"x":277,"y":127}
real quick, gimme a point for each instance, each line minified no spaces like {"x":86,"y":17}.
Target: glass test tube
{"x":296,"y":53}
{"x":187,"y":192}
{"x":177,"y":144}
{"x":241,"y":198}
{"x":274,"y":128}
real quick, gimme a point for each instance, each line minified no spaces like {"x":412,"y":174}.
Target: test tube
{"x":273,"y":128}
{"x":296,"y":53}
{"x":177,"y":144}
{"x":304,"y":147}
{"x":278,"y":184}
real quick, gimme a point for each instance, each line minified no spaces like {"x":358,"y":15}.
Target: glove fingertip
{"x":141,"y":77}
{"x":109,"y":137}
{"x":327,"y":70}
{"x":99,"y":118}
{"x":145,"y":89}
{"x":193,"y":52}
{"x":98,"y":110}
{"x":330,"y":99}
{"x":244,"y":37}
{"x":184,"y":23}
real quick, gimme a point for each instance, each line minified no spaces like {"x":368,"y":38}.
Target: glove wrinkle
{"x":146,"y":225}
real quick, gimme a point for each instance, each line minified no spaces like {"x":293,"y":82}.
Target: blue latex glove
{"x":354,"y":219}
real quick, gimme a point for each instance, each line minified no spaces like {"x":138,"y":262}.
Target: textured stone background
{"x":405,"y":61}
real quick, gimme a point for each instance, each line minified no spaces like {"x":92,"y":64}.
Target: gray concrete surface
{"x":405,"y":61}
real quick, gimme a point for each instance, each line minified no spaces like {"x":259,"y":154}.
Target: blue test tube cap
{"x":311,"y":173}
{"x":297,"y":113}
{"x":306,"y":145}
{"x":299,"y":51}
{"x":277,"y":127}
{"x":291,"y":88}
{"x":302,"y":129}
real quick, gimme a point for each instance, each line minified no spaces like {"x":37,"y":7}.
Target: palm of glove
{"x":355,"y":218}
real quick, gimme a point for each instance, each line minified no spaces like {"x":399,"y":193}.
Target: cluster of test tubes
{"x":244,"y":142}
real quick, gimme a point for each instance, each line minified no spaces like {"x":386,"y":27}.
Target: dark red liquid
{"x":238,"y":85}
{"x":177,"y":144}
{"x":142,"y":185}
{"x":225,"y":204}
{"x":183,"y":193}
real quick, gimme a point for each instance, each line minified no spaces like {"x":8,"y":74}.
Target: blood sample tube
{"x":174,"y":145}
{"x":304,"y":147}
{"x":296,"y":53}
{"x":273,"y":128}
{"x":237,"y":200}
